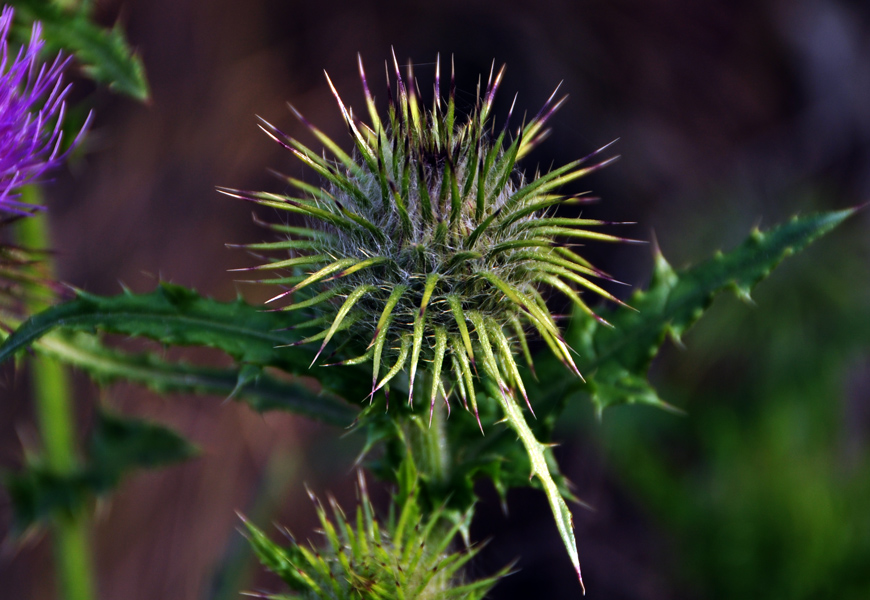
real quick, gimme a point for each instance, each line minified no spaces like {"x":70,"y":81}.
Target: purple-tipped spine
{"x":32,"y":109}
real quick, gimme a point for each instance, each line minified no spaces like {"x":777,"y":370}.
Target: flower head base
{"x":430,"y":243}
{"x":31,"y":114}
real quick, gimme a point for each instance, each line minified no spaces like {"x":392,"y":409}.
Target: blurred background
{"x":730,"y":113}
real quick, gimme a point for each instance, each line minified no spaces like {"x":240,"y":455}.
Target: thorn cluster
{"x":429,"y":241}
{"x":408,"y":556}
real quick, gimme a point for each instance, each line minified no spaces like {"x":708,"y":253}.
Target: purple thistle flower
{"x":32,"y":109}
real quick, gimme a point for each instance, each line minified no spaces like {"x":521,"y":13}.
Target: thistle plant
{"x":431,"y":246}
{"x":423,"y":260}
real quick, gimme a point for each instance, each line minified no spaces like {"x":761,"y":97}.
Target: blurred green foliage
{"x":117,"y":445}
{"x":104,"y":54}
{"x":765,"y":487}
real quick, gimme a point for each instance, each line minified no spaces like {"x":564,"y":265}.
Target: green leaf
{"x":248,"y":384}
{"x":541,"y":469}
{"x":173,"y":315}
{"x":117,"y":446}
{"x":615,"y":359}
{"x":104,"y":54}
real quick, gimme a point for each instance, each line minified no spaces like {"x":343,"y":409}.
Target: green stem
{"x":428,"y":441}
{"x":430,"y":450}
{"x":56,"y":420}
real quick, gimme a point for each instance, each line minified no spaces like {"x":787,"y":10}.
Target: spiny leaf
{"x":265,"y":392}
{"x":489,"y":364}
{"x":618,"y":358}
{"x":524,"y":345}
{"x":175,"y":315}
{"x":104,"y":54}
{"x":171,"y":315}
{"x":540,"y":469}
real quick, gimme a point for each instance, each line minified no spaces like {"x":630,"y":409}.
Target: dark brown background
{"x":728,"y":113}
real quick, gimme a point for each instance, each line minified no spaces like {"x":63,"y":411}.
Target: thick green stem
{"x":430,"y":450}
{"x":56,"y":420}
{"x":73,"y":560}
{"x":428,"y":440}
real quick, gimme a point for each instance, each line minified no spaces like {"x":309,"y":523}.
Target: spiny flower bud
{"x":407,"y":556}
{"x":429,"y":241}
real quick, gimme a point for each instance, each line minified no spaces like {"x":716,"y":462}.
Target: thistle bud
{"x":429,"y":242}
